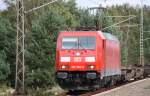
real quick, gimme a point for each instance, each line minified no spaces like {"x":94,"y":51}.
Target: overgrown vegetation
{"x":42,"y":28}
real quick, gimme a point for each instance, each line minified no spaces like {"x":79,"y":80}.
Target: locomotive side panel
{"x":112,"y":58}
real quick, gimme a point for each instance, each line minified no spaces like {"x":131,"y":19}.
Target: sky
{"x":2,"y":5}
{"x":104,"y":3}
{"x":94,"y":3}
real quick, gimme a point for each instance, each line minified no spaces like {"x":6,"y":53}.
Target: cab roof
{"x":110,"y":37}
{"x":82,"y":33}
{"x":103,"y":35}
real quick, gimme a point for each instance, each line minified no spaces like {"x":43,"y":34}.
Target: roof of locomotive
{"x":103,"y":35}
{"x":110,"y":36}
{"x":82,"y":33}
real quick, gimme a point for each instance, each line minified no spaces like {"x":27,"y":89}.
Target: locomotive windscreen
{"x":84,"y":42}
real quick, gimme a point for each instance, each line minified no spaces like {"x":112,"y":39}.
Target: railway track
{"x":101,"y":90}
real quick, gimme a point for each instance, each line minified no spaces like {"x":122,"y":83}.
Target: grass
{"x":54,"y":91}
{"x":5,"y":90}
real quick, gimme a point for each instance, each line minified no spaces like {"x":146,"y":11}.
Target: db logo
{"x":77,"y":59}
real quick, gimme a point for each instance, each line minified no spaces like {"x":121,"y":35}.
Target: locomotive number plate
{"x":77,"y":59}
{"x":78,"y":67}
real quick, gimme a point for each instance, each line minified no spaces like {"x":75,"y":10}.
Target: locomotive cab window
{"x":70,"y":43}
{"x":88,"y":42}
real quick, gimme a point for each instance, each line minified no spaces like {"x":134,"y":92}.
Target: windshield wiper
{"x":74,"y":47}
{"x":80,"y":45}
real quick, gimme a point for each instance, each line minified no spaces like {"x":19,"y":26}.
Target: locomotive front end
{"x":76,"y":60}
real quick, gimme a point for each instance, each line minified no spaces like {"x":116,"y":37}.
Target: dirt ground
{"x":138,"y":88}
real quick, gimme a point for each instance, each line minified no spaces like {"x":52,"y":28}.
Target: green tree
{"x":7,"y":47}
{"x":4,"y":67}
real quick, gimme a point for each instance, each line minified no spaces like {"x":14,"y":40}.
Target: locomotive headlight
{"x":90,"y":59}
{"x":63,"y":67}
{"x":92,"y":67}
{"x":64,"y":59}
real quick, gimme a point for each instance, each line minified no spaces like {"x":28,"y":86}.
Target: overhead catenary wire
{"x":147,"y":31}
{"x":129,"y":25}
{"x":119,"y":16}
{"x":119,"y":22}
{"x":36,"y":8}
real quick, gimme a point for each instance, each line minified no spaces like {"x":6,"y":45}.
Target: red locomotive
{"x":87,"y":59}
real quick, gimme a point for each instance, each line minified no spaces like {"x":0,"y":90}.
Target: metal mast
{"x":127,"y":40}
{"x":20,"y":44}
{"x":141,"y":37}
{"x":19,"y":83}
